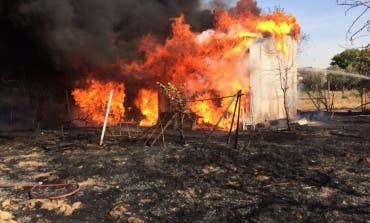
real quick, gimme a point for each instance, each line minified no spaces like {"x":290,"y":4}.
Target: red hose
{"x":34,"y":196}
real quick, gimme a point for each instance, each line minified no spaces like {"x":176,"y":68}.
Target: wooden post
{"x":363,"y":96}
{"x":232,"y":121}
{"x":219,"y":120}
{"x":173,"y":118}
{"x":251,"y":109}
{"x":365,"y":99}
{"x":328,"y":101}
{"x":238,"y":123}
{"x":106,"y":118}
{"x":243,"y":118}
{"x":152,"y":134}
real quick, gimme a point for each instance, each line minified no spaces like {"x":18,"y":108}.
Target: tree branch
{"x":356,"y":4}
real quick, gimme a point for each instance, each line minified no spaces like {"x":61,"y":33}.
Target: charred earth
{"x":319,"y":173}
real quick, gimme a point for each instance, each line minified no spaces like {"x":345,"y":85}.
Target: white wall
{"x":264,"y":62}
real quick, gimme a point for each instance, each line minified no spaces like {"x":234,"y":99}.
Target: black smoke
{"x":47,"y":45}
{"x":56,"y":39}
{"x":246,"y":6}
{"x":242,"y":6}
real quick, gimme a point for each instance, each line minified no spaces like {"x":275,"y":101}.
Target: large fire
{"x":92,"y":101}
{"x":147,"y":102}
{"x":211,"y":64}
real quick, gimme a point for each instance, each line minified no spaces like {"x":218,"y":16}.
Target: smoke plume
{"x":45,"y":38}
{"x":50,"y":44}
{"x":48,"y":41}
{"x":249,"y":6}
{"x":50,"y":37}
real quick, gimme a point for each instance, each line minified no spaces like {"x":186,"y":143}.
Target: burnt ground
{"x":318,"y":173}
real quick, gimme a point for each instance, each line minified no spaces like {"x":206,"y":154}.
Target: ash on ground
{"x":318,"y":173}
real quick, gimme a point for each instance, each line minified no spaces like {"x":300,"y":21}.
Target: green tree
{"x":362,"y":66}
{"x":354,"y":61}
{"x":340,"y":82}
{"x":346,"y":59}
{"x":362,"y":63}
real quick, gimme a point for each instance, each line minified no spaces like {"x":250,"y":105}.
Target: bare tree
{"x":357,"y":27}
{"x":178,"y":100}
{"x":284,"y":70}
{"x":316,"y":84}
{"x":285,"y":66}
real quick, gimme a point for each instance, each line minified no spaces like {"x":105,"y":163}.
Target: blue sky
{"x":326,"y":24}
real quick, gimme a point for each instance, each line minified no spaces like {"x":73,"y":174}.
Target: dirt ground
{"x":348,"y":100}
{"x":319,"y":172}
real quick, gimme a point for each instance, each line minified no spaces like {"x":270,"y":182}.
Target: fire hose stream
{"x":34,"y":187}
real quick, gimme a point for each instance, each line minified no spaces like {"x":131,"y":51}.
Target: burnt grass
{"x":316,"y":173}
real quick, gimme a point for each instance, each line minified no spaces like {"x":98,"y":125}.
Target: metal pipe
{"x":106,"y":118}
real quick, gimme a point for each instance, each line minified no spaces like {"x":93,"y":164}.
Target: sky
{"x":326,"y":24}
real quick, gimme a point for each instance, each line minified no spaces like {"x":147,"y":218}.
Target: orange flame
{"x":205,"y":109}
{"x":147,"y":102}
{"x":214,"y":60}
{"x":208,"y":64}
{"x":92,"y":101}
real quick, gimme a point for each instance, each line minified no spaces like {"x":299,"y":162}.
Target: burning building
{"x":271,"y":74}
{"x":205,"y":54}
{"x":254,"y":54}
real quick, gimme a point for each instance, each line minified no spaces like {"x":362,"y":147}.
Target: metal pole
{"x":106,"y":118}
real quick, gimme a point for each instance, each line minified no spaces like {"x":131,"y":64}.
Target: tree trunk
{"x":286,"y":109}
{"x":342,"y":91}
{"x":180,"y":127}
{"x":363,"y":102}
